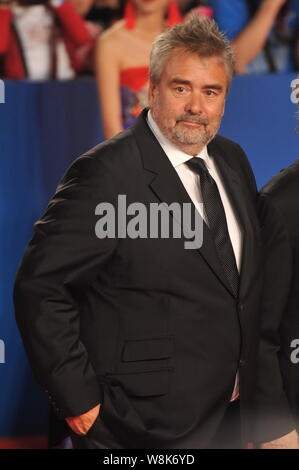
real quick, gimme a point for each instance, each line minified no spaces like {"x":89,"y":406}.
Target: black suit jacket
{"x":144,"y":326}
{"x":282,"y":280}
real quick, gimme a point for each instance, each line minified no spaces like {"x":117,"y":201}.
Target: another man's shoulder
{"x":283,"y":193}
{"x":285,"y":182}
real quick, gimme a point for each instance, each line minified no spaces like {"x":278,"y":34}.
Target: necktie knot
{"x":198,"y":165}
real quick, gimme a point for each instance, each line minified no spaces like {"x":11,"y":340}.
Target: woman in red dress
{"x":122,"y":60}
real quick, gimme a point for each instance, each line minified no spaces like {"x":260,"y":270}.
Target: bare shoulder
{"x":114,"y":34}
{"x":115,"y":43}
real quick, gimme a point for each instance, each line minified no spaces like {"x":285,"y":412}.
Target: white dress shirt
{"x":191,"y":182}
{"x":35,"y":26}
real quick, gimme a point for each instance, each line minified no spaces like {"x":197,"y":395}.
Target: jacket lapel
{"x":164,"y":181}
{"x":243,"y":210}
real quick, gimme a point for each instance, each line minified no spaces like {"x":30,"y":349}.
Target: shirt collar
{"x":175,"y":155}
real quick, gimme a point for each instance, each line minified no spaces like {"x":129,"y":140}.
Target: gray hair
{"x":200,"y":36}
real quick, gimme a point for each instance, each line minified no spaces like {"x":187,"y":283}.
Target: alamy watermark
{"x":155,"y":220}
{"x":295,"y":353}
{"x":2,"y":92}
{"x":295,"y":91}
{"x":2,"y":352}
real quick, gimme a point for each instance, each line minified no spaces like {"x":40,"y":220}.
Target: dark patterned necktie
{"x":217,"y":221}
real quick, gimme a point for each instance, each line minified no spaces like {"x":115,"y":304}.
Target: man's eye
{"x":211,"y":93}
{"x":180,"y":89}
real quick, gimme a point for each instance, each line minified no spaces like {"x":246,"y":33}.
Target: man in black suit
{"x":281,"y":291}
{"x":141,"y":341}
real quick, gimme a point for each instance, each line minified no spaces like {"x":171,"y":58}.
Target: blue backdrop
{"x":43,"y":127}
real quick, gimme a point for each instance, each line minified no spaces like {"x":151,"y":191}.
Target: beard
{"x":197,"y":135}
{"x":181,"y":134}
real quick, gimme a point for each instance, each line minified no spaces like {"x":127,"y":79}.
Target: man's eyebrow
{"x":183,"y":81}
{"x":214,"y":86}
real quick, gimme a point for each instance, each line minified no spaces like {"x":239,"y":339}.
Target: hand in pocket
{"x":82,"y":423}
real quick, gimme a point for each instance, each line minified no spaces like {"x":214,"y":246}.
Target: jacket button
{"x":241,"y":362}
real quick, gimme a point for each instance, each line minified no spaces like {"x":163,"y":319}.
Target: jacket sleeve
{"x":64,"y":256}
{"x":72,"y":24}
{"x":5,"y":29}
{"x":273,"y":412}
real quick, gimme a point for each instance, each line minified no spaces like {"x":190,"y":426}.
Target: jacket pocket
{"x":145,"y":367}
{"x":147,"y":349}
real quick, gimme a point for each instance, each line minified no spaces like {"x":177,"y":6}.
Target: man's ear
{"x":223,"y":110}
{"x":151,"y":92}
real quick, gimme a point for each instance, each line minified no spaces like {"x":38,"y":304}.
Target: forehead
{"x":193,"y":68}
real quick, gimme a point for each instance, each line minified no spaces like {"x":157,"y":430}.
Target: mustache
{"x":193,"y":118}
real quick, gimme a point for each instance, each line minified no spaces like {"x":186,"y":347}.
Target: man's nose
{"x":195,"y":104}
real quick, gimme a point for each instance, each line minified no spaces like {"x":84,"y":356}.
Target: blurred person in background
{"x":263,"y":32}
{"x":201,"y":7}
{"x":281,"y":287}
{"x":106,"y":12}
{"x":122,"y":60}
{"x":39,"y":39}
{"x":281,"y":291}
{"x":85,"y":54}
